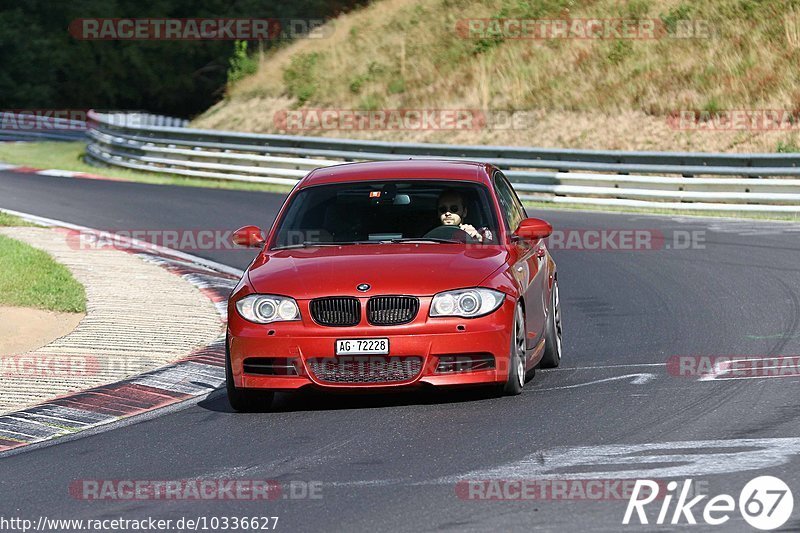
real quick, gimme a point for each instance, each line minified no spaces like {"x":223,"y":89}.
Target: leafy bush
{"x":240,"y":64}
{"x":712,"y":106}
{"x":637,"y":9}
{"x":397,"y":86}
{"x":300,"y":77}
{"x":789,"y":146}
{"x":619,"y":51}
{"x":676,"y":14}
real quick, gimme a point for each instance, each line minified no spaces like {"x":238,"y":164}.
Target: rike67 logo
{"x":766,"y":503}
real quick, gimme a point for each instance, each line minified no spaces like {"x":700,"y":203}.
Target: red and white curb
{"x":54,"y":172}
{"x":193,"y":376}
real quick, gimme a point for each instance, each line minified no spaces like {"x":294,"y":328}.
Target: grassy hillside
{"x":594,"y":93}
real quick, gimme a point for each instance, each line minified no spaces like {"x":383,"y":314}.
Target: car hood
{"x":416,"y":269}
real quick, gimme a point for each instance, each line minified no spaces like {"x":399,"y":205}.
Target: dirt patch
{"x":23,"y":329}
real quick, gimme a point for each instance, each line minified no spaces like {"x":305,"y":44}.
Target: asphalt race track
{"x":395,"y":462}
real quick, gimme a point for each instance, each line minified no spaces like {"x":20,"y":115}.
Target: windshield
{"x":389,"y":211}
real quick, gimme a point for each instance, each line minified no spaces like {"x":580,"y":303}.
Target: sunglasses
{"x":448,"y":209}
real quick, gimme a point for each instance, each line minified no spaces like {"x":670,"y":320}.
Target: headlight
{"x":266,"y":308}
{"x":467,"y":303}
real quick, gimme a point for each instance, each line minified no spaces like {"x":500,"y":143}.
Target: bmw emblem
{"x":364,"y":287}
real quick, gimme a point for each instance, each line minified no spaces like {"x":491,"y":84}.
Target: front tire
{"x":516,"y":371}
{"x":244,"y":400}
{"x":552,"y":345}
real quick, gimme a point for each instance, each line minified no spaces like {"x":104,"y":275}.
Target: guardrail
{"x":50,"y":128}
{"x":30,"y":127}
{"x":684,"y":181}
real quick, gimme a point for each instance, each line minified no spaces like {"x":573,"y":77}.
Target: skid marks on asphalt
{"x":649,"y":460}
{"x":633,"y":379}
{"x":752,"y":228}
{"x":645,"y":461}
{"x":704,"y":369}
{"x":565,"y":378}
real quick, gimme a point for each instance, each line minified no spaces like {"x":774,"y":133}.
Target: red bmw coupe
{"x":394,"y":275}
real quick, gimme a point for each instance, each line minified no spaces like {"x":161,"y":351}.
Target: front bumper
{"x":432,"y":339}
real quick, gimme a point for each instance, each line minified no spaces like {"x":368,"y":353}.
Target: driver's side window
{"x":513,"y":213}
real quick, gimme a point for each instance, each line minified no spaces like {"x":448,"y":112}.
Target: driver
{"x":452,"y":212}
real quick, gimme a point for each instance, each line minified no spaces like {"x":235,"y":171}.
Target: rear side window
{"x":513,"y":211}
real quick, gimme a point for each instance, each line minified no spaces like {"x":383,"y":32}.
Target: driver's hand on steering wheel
{"x":471,"y":231}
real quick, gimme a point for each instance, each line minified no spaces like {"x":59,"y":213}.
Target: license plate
{"x":362,"y":346}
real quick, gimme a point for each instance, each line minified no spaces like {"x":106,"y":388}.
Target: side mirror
{"x":534,"y":229}
{"x":249,"y":236}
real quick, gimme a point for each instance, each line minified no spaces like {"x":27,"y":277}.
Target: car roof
{"x":402,"y":169}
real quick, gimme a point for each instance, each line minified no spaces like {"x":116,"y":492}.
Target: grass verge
{"x":69,"y":156}
{"x":31,"y":278}
{"x":11,"y":220}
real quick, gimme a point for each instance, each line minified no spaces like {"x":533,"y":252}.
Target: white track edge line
{"x":146,"y":245}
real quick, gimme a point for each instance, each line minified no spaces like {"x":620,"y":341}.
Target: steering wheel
{"x":448,"y":232}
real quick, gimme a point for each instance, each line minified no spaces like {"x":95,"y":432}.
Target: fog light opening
{"x":451,"y":364}
{"x":271,"y":366}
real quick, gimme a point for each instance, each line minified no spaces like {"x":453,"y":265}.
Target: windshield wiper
{"x":427,"y":239}
{"x":307,"y":244}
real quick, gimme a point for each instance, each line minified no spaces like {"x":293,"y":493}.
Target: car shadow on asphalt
{"x":314,"y":400}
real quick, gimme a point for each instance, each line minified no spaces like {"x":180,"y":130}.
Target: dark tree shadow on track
{"x":314,"y":400}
